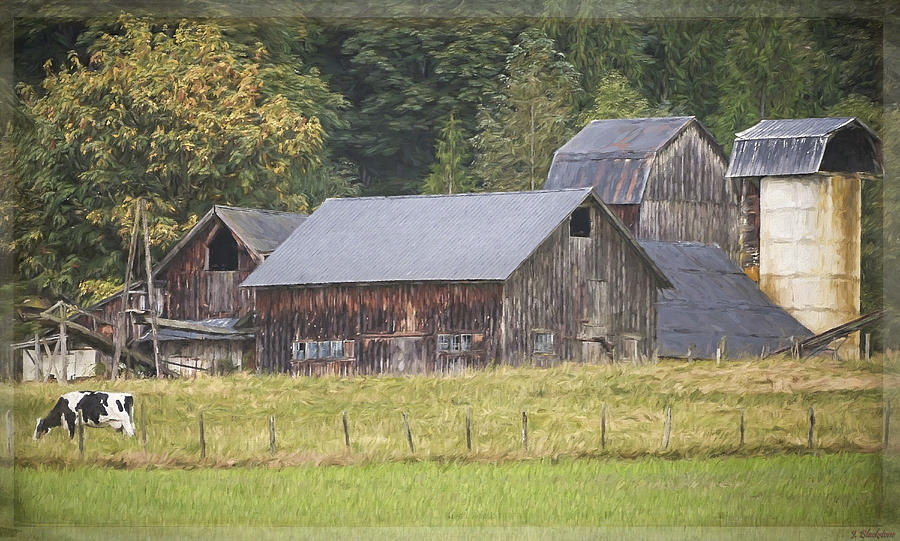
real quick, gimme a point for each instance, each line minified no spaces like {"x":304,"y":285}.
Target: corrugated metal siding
{"x":713,"y":298}
{"x":417,"y":238}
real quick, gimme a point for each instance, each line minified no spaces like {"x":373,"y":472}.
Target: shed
{"x":802,"y":213}
{"x":713,"y":298}
{"x":430,"y":284}
{"x":197,"y":281}
{"x":664,"y":177}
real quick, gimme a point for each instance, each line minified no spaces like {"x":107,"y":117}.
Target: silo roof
{"x":794,"y":146}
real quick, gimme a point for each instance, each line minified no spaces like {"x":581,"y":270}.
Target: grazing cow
{"x":97,"y":408}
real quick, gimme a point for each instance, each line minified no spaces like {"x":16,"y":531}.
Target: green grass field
{"x":827,"y":490}
{"x":565,"y":478}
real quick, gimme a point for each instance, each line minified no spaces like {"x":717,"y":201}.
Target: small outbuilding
{"x":714,"y":303}
{"x":433,"y":284}
{"x":663,"y":177}
{"x":803,"y":182}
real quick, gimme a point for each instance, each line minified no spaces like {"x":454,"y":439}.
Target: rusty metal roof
{"x":614,"y":156}
{"x":713,"y":298}
{"x":481,"y":236}
{"x":799,"y":146}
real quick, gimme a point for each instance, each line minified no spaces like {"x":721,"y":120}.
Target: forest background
{"x":283,"y":112}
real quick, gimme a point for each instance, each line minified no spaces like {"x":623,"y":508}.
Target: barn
{"x":206,"y":316}
{"x":805,"y":176}
{"x":663,"y":177}
{"x":434,"y":284}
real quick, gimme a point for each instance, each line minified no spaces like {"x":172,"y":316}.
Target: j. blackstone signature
{"x":871,"y":533}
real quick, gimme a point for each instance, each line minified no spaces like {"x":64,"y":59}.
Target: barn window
{"x":443,"y":342}
{"x":454,"y":342}
{"x":325,"y":349}
{"x":299,"y":350}
{"x":543,"y":342}
{"x":580,"y":222}
{"x":222,"y":252}
{"x":465,"y":342}
{"x":312,"y":350}
{"x":337,"y":348}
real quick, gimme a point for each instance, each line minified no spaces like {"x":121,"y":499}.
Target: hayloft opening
{"x":580,"y":222}
{"x":223,"y":252}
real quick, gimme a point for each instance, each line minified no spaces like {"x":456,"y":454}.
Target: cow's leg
{"x":70,"y":419}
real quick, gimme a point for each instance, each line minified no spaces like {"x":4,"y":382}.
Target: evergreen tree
{"x":448,"y":172}
{"x":614,"y":97}
{"x":528,"y":120}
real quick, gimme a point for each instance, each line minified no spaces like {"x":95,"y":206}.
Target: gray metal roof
{"x":462,"y":237}
{"x":615,"y":155}
{"x":799,"y":146}
{"x":713,"y":298}
{"x":261,"y":231}
{"x":172,"y":335}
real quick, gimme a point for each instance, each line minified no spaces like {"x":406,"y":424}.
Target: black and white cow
{"x":97,"y":408}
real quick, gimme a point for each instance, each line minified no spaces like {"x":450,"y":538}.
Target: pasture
{"x":564,"y":407}
{"x":565,"y":478}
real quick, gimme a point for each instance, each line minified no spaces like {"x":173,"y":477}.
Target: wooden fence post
{"x":143,"y":428}
{"x":690,"y":354}
{"x":603,"y":427}
{"x":62,"y":375}
{"x":468,"y":429}
{"x":346,"y":431}
{"x":868,"y":336}
{"x":887,"y":423}
{"x":80,"y":433}
{"x":202,"y":438}
{"x":10,"y":432}
{"x":668,"y":427}
{"x":812,"y":425}
{"x":524,"y":430}
{"x":742,"y":427}
{"x":272,"y":434}
{"x":408,"y":433}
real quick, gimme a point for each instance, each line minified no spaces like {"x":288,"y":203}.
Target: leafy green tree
{"x":528,"y":119}
{"x":448,"y":172}
{"x":175,"y":115}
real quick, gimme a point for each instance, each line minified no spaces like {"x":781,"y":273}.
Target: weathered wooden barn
{"x":664,"y":177}
{"x":803,"y":180}
{"x":431,"y":284}
{"x":714,"y":303}
{"x":196,"y":284}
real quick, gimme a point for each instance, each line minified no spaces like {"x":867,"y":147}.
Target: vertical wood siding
{"x":196,"y":293}
{"x":395,"y":326}
{"x":688,"y":197}
{"x":578,"y":289}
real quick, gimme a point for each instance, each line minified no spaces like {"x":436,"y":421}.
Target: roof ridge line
{"x":465,"y":194}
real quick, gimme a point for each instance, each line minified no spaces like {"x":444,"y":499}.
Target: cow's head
{"x":40,"y":428}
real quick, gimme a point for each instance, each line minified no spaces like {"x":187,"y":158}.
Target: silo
{"x":809,"y":261}
{"x":808,"y":173}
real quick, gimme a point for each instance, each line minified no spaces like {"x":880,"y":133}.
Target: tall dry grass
{"x":563,"y":406}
